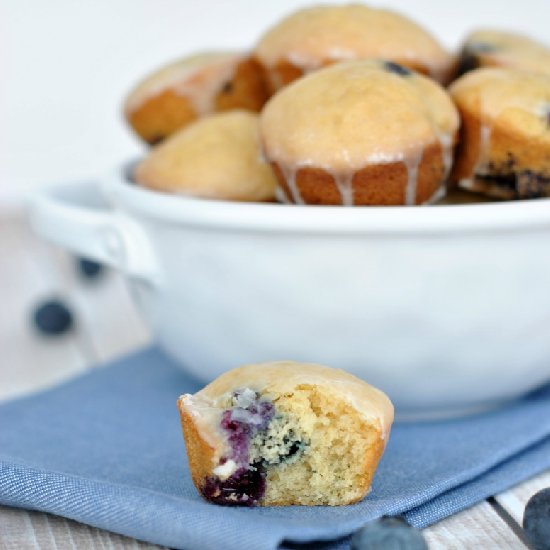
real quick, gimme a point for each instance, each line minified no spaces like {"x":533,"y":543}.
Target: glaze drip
{"x":412,"y":164}
{"x":344,"y":183}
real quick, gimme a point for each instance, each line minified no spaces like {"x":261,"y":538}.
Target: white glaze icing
{"x":225,"y":470}
{"x":439,"y":194}
{"x":344,"y":184}
{"x":484,"y":148}
{"x":289,"y":174}
{"x":446,"y":142}
{"x":412,"y":163}
{"x":279,"y":377}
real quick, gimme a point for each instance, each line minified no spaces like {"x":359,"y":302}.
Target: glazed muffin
{"x":314,"y":37}
{"x":285,"y":433}
{"x":504,"y":149}
{"x":216,"y":157}
{"x":192,"y":87}
{"x":360,"y":133}
{"x":494,"y":48}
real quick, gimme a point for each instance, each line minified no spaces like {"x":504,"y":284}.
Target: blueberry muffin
{"x":314,"y":37}
{"x":285,"y":433}
{"x":364,"y":132}
{"x":216,"y":157}
{"x":504,"y":149}
{"x":494,"y":48}
{"x":193,"y":87}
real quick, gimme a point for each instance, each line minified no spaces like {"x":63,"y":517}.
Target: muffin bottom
{"x":496,"y":160}
{"x":419,"y":180}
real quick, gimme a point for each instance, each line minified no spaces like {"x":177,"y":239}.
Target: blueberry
{"x":480,"y":47}
{"x":536,"y":520}
{"x":53,"y":317}
{"x":388,"y":533}
{"x":88,"y":268}
{"x":396,"y":68}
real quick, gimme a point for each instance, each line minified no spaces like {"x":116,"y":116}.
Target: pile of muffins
{"x":349,"y":105}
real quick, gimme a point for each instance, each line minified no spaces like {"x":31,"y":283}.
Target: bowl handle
{"x":76,"y":217}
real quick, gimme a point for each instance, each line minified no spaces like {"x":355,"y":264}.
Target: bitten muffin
{"x":314,"y":37}
{"x":216,"y":157}
{"x":494,"y":48}
{"x":284,"y":433}
{"x":504,"y":149}
{"x":192,"y":87}
{"x":360,"y":133}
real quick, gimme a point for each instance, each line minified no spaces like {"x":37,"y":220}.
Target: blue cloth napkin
{"x":106,"y":449}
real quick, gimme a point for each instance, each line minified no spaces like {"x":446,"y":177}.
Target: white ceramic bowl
{"x":446,"y":308}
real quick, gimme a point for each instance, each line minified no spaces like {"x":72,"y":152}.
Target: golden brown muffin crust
{"x":313,"y":37}
{"x":505,"y":132}
{"x":215,"y":157}
{"x":360,"y":132}
{"x":498,"y":48}
{"x":195,"y":86}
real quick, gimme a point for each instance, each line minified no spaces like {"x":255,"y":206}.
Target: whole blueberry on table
{"x":89,"y":269}
{"x":388,"y":533}
{"x":536,"y":520}
{"x":53,"y":317}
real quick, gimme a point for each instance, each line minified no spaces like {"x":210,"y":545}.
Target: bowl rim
{"x":231,"y":215}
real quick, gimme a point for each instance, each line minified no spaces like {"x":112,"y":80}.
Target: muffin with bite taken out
{"x":285,"y":433}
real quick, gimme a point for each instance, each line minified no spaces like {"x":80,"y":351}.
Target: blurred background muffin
{"x":497,"y":48}
{"x":216,"y":157}
{"x":360,"y":132}
{"x":316,"y":36}
{"x":192,"y":87}
{"x":504,"y":150}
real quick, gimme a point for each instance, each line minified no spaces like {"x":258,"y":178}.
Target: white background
{"x":67,"y":64}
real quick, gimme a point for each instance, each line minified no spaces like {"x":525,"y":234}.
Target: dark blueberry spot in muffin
{"x":295,"y":448}
{"x":244,"y":488}
{"x":227,"y":87}
{"x":53,"y":318}
{"x":396,"y":68}
{"x":388,"y":532}
{"x":536,"y":519}
{"x":469,"y":57}
{"x":504,"y":181}
{"x":532,"y":185}
{"x":155,"y":140}
{"x":480,"y":47}
{"x":524,"y":184}
{"x":467,"y":63}
{"x":88,"y":269}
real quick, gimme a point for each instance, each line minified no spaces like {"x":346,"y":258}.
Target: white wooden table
{"x":108,"y":326}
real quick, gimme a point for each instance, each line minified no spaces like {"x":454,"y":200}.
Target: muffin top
{"x":355,"y":113}
{"x":280,"y":377}
{"x":312,"y":37}
{"x":494,"y":48}
{"x":198,"y":77}
{"x":215,"y":157}
{"x":518,"y":99}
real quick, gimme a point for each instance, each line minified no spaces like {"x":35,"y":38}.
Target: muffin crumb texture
{"x":306,"y":445}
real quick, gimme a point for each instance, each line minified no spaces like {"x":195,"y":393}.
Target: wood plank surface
{"x":108,"y":325}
